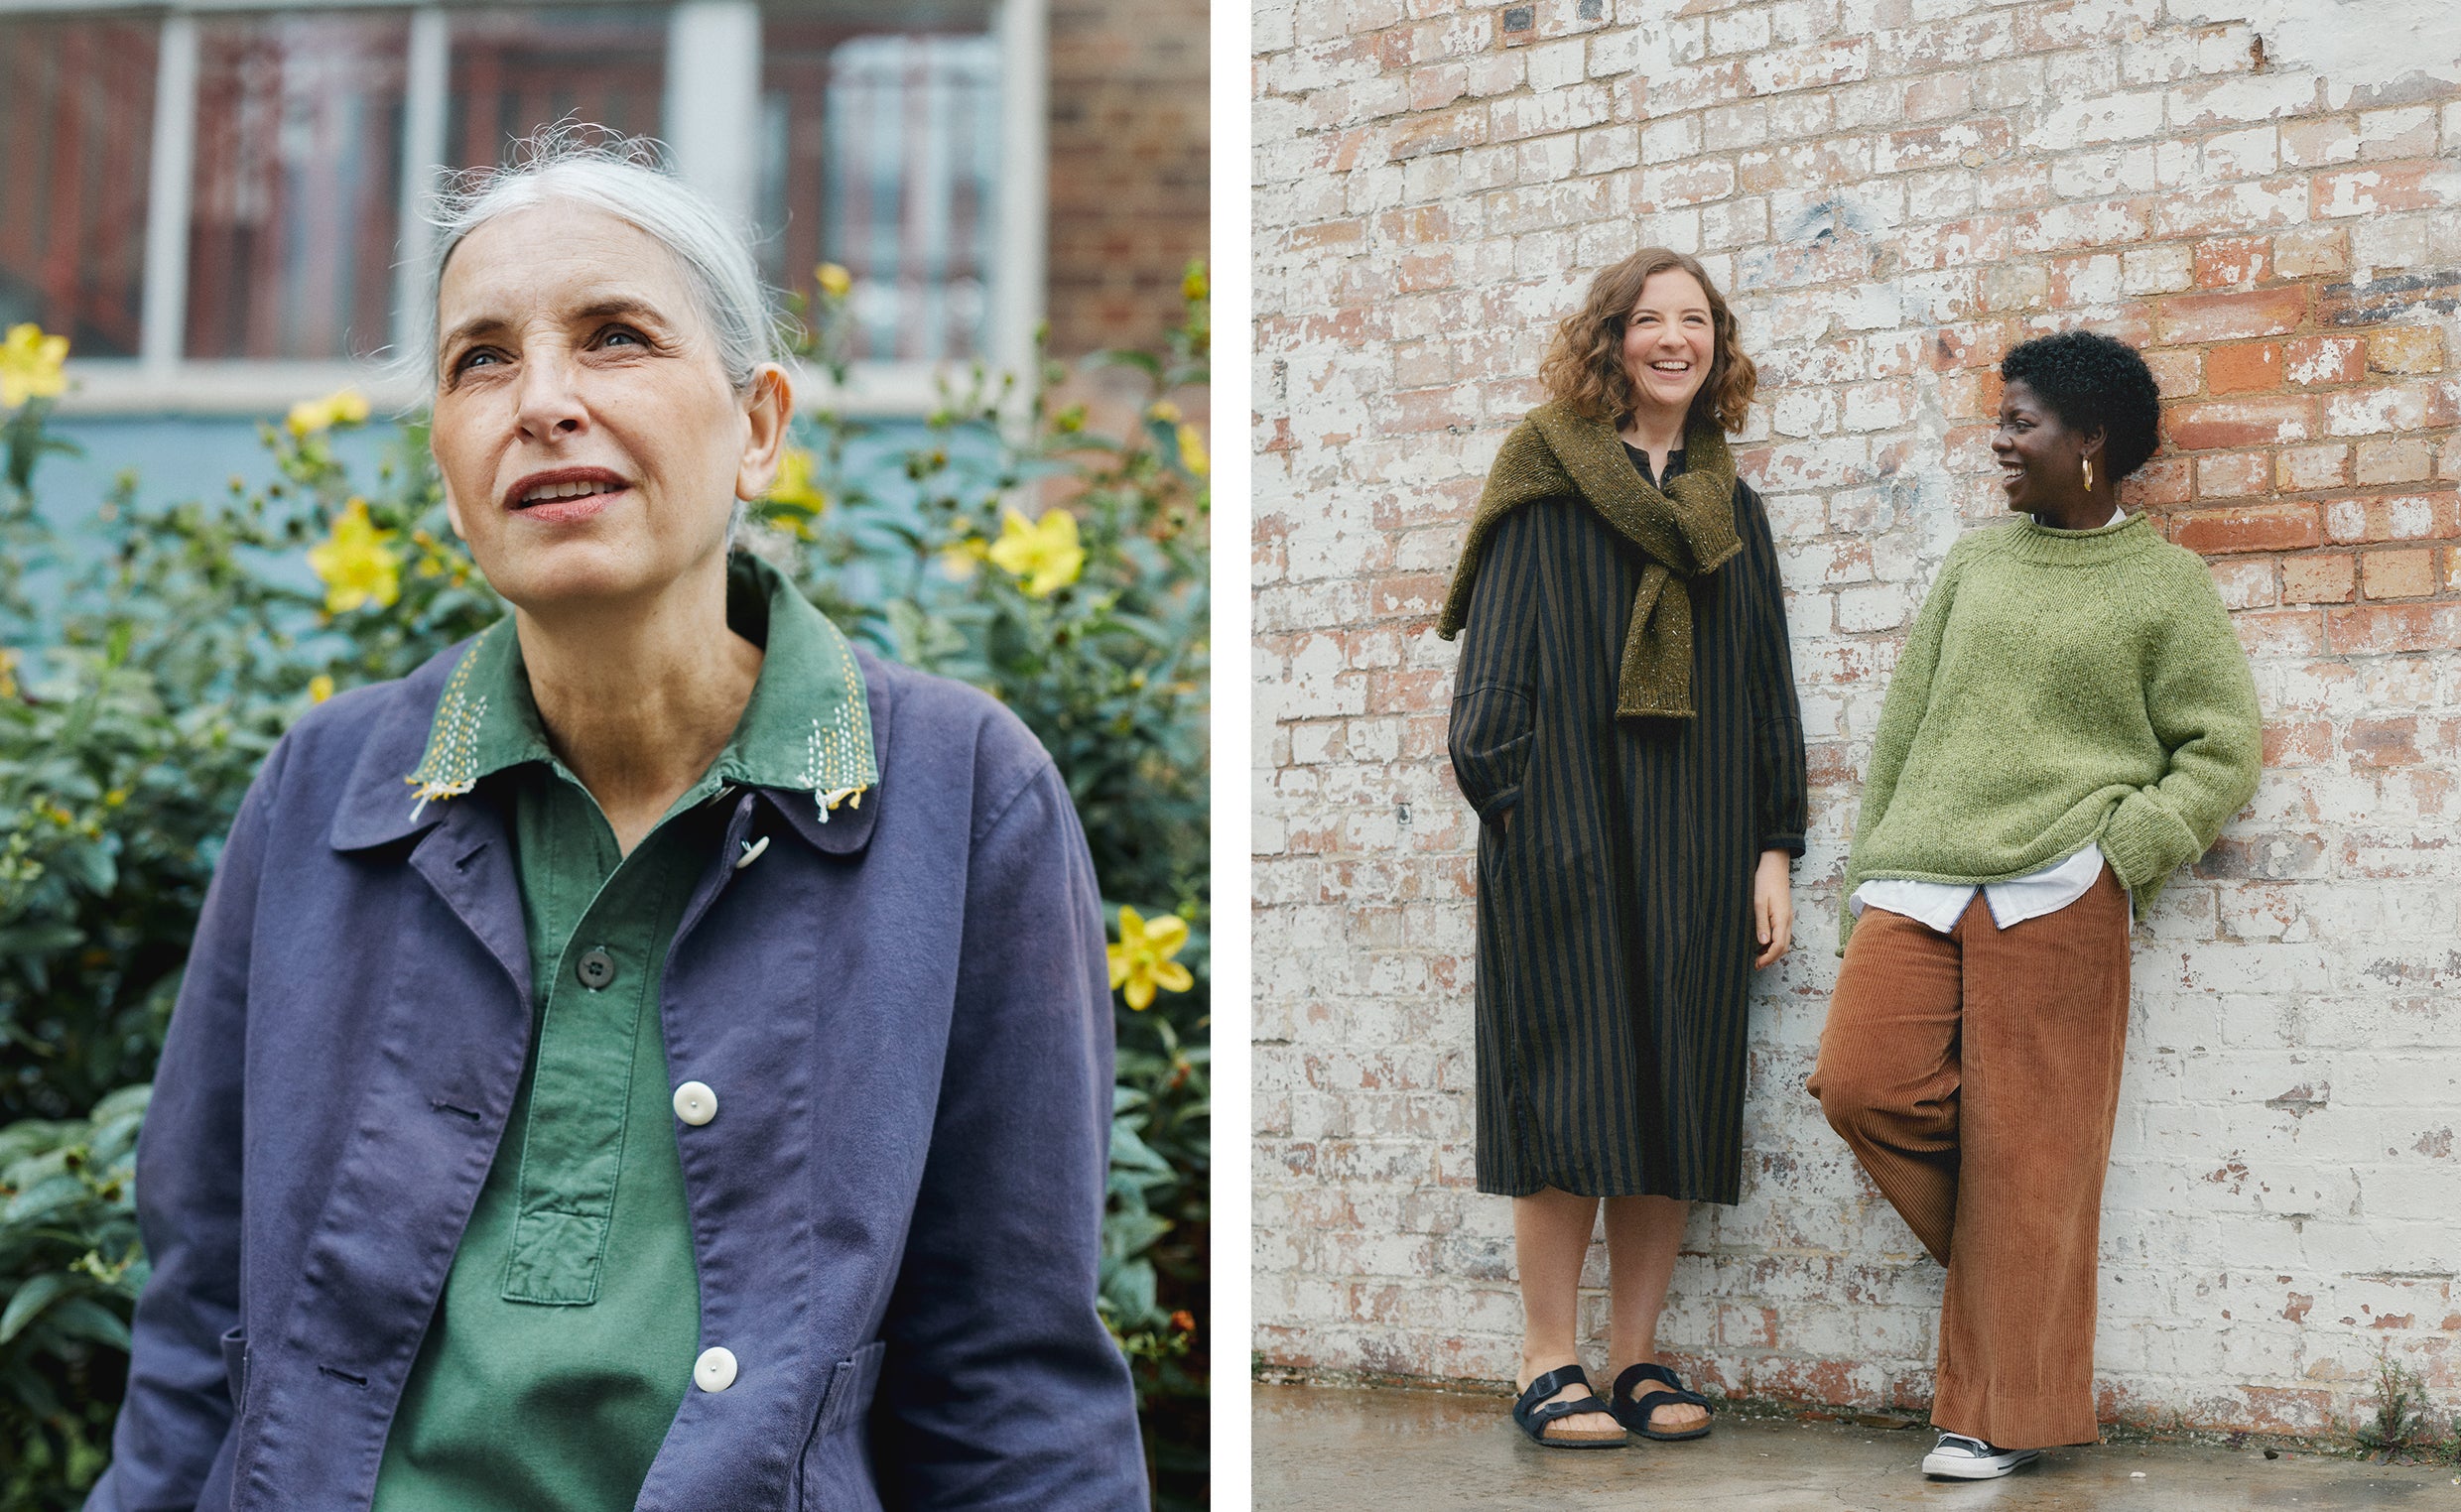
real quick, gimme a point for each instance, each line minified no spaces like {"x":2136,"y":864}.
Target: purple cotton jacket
{"x":904,"y":1012}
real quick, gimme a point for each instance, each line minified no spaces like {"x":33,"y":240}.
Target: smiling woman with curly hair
{"x":1626,"y":726}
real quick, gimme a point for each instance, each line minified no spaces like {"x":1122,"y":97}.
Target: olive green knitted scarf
{"x":1687,"y":530}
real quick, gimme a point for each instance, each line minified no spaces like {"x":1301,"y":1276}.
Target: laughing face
{"x":590,"y":446}
{"x":1669,"y":341}
{"x":2042,"y":461}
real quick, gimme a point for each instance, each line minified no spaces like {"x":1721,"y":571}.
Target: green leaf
{"x":31,"y":1298}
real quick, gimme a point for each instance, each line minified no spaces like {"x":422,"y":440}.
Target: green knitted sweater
{"x":2060,"y":689}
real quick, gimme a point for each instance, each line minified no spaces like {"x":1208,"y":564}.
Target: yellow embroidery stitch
{"x":837,"y":756}
{"x":451,"y":766}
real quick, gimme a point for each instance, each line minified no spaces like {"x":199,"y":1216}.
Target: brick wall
{"x":1892,"y":191}
{"x":1129,"y":181}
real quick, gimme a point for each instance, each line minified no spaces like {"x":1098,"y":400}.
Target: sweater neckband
{"x":2049,"y":547}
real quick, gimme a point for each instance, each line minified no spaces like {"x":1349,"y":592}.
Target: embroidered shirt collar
{"x":807,"y":727}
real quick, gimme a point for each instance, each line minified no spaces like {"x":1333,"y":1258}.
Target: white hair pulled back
{"x":628,"y":178}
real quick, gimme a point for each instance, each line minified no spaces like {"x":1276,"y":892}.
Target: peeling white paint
{"x":2351,"y":45}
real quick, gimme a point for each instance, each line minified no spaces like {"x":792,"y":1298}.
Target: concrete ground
{"x":1346,"y":1449}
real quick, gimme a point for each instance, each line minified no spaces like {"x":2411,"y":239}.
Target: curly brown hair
{"x":1584,"y":367}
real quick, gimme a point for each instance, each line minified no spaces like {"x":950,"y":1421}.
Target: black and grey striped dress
{"x":1615,"y":934}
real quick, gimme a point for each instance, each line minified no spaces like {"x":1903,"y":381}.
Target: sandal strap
{"x":1540,"y":1417}
{"x":1647,"y":1370}
{"x":1542,"y":1387}
{"x":1649,"y":1402}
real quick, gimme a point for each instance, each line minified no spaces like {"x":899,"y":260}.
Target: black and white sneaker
{"x":1959,"y":1457}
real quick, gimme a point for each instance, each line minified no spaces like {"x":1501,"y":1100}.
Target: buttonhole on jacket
{"x":342,"y":1375}
{"x":441,"y":1106}
{"x":469,"y":855}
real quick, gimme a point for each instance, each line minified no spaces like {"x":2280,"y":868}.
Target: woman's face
{"x":2042,"y":459}
{"x":591,"y":447}
{"x":1669,"y":341}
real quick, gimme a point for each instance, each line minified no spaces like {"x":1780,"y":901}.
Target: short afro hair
{"x":2090,"y":381}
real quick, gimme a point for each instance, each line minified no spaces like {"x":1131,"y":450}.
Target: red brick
{"x":2305,"y":744}
{"x":2176,"y":375}
{"x":2225,"y":260}
{"x":2393,"y":517}
{"x":1430,"y":409}
{"x":2187,"y":317}
{"x":2250,"y":368}
{"x":2310,"y":361}
{"x":2405,"y":349}
{"x":2233,"y":474}
{"x":2328,"y":578}
{"x":2382,"y":743}
{"x":2281,"y":632}
{"x":2241,"y":423}
{"x":2374,"y":190}
{"x":2376,"y":630}
{"x":2250,"y":528}
{"x":2408,"y":574}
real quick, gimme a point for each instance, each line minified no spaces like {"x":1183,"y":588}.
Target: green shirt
{"x":2060,"y":689}
{"x":570,"y":1321}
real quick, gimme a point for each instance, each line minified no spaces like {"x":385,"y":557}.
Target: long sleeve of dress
{"x":1779,"y":780}
{"x":1495,"y":704}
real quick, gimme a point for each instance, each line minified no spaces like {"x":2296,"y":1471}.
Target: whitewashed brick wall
{"x":2268,"y":199}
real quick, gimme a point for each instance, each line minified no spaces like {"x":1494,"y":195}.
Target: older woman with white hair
{"x":657,"y":1054}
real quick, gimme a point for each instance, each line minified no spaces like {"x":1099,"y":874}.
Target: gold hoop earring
{"x":2089,"y":474}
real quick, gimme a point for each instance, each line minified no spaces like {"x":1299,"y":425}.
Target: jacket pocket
{"x":836,"y":1472}
{"x":235,"y":1367}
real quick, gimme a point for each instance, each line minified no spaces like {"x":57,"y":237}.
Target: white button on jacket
{"x":694,"y":1103}
{"x":714,"y":1370}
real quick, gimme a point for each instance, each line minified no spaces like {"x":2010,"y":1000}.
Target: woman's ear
{"x":767,"y":411}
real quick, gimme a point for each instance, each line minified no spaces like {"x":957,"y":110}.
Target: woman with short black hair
{"x":2071,"y":722}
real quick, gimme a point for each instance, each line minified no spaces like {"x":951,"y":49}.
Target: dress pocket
{"x":836,"y":1473}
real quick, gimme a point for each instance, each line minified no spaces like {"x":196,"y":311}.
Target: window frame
{"x":714,"y":135}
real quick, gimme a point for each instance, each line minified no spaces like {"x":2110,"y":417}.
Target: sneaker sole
{"x":1961,"y":1468}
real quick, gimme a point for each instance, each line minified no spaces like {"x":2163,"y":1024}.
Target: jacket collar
{"x":814,"y":739}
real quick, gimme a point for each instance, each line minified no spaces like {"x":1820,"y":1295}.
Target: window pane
{"x":881,"y":153}
{"x":76,"y":131}
{"x":291,"y":242}
{"x":515,"y":71}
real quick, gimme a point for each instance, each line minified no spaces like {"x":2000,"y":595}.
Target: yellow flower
{"x":958,"y":559}
{"x":356,"y":564}
{"x":1141,"y":960}
{"x":1192,"y":451}
{"x":1192,"y":285}
{"x":320,"y":688}
{"x":794,"y":486}
{"x":1164,"y":410}
{"x":310,"y":415}
{"x":835,"y":281}
{"x":1044,"y":552}
{"x":8,"y":672}
{"x":30,"y":365}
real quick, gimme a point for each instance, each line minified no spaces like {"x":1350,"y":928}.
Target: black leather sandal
{"x":1534,"y":1418}
{"x":1634,"y":1412}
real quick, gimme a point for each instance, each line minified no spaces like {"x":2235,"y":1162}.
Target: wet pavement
{"x":1358,"y":1450}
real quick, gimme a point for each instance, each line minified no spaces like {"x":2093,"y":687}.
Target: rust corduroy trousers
{"x":1976,"y":1075}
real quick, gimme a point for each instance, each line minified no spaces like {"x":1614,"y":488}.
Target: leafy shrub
{"x":154,"y":655}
